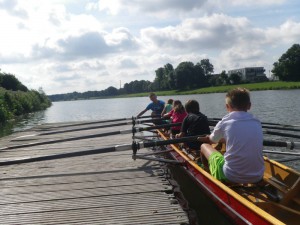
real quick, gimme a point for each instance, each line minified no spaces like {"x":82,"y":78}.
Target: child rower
{"x":194,"y":124}
{"x":242,"y":132}
{"x":177,"y":115}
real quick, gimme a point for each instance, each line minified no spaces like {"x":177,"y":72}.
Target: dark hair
{"x":192,"y":106}
{"x":152,"y":94}
{"x":170,"y":101}
{"x":238,"y":98}
{"x":178,"y":107}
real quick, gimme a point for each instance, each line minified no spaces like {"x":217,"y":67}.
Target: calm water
{"x":269,"y":106}
{"x":280,"y":106}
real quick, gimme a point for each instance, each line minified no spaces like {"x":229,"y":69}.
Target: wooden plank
{"x":107,"y":188}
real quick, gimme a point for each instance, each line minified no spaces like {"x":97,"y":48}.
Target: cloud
{"x":87,"y":45}
{"x":11,"y":6}
{"x":288,"y":32}
{"x":128,"y":63}
{"x":209,"y":32}
{"x":256,"y":2}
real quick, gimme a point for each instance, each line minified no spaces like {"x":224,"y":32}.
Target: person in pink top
{"x":177,"y":115}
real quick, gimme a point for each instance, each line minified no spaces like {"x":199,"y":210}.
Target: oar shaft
{"x":101,"y":121}
{"x":102,"y":126}
{"x":67,"y":155}
{"x":281,"y":153}
{"x":87,"y":128}
{"x":288,"y":144}
{"x":139,"y":129}
{"x":167,"y":142}
{"x":67,"y":139}
{"x":274,"y":126}
{"x":281,"y":134}
{"x":280,"y":128}
{"x":288,"y":160}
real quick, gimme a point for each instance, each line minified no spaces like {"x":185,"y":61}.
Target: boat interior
{"x":277,"y":194}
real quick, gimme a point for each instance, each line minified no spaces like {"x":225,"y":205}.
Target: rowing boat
{"x":275,"y":200}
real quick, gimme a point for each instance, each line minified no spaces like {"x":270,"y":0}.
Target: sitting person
{"x":177,"y":115}
{"x":194,"y":124}
{"x":168,"y":107}
{"x":243,"y":160}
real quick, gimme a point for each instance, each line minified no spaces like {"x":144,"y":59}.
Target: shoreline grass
{"x":271,"y":85}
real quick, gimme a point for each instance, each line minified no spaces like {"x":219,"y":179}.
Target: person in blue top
{"x":156,"y":106}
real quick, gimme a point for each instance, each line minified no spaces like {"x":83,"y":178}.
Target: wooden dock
{"x":107,"y":188}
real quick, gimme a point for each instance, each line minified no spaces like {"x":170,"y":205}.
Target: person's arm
{"x":213,"y":138}
{"x":164,"y":111}
{"x":169,"y":114}
{"x":205,"y":139}
{"x":141,"y":113}
{"x":181,"y":134}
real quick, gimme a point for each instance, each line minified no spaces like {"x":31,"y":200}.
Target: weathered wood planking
{"x":108,"y":188}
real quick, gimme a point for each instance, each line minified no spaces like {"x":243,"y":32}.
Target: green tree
{"x":200,"y":79}
{"x":158,"y":82}
{"x":287,"y":68}
{"x":207,"y":66}
{"x":10,"y":82}
{"x":184,"y":75}
{"x":235,"y":78}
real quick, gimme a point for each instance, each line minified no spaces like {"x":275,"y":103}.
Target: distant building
{"x":250,"y":74}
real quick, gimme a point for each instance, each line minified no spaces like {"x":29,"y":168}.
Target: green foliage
{"x":10,"y":82}
{"x":235,"y":78}
{"x":16,"y":99}
{"x":270,"y":85}
{"x":287,"y":68}
{"x":207,"y":66}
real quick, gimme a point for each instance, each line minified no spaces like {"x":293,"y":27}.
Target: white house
{"x":251,"y":74}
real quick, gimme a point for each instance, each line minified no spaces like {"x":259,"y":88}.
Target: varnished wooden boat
{"x":275,"y":200}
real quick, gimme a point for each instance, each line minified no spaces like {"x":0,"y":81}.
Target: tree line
{"x":16,"y":99}
{"x":188,"y":75}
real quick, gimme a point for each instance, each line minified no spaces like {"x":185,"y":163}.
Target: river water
{"x":280,"y":106}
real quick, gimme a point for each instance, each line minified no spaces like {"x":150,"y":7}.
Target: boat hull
{"x":238,"y":209}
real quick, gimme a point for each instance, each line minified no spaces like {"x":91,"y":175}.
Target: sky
{"x":64,"y":46}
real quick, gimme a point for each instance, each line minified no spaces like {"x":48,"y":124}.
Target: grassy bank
{"x":276,"y":85}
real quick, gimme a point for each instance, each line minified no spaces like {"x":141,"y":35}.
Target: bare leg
{"x":206,"y":151}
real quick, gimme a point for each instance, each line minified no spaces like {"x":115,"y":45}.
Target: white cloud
{"x":66,"y":46}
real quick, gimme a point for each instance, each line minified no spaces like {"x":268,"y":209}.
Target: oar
{"x":281,"y":153}
{"x":281,"y":134}
{"x":280,"y":128}
{"x":100,"y":121}
{"x":214,"y":121}
{"x":288,"y":160}
{"x":67,"y":139}
{"x":133,"y":122}
{"x":288,"y":144}
{"x":133,"y":131}
{"x":134,"y":146}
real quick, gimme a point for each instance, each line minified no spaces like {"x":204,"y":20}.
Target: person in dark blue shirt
{"x":156,"y":106}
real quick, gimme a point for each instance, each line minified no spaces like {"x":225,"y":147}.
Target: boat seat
{"x":292,"y":193}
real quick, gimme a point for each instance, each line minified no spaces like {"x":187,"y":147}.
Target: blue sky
{"x":66,"y":45}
